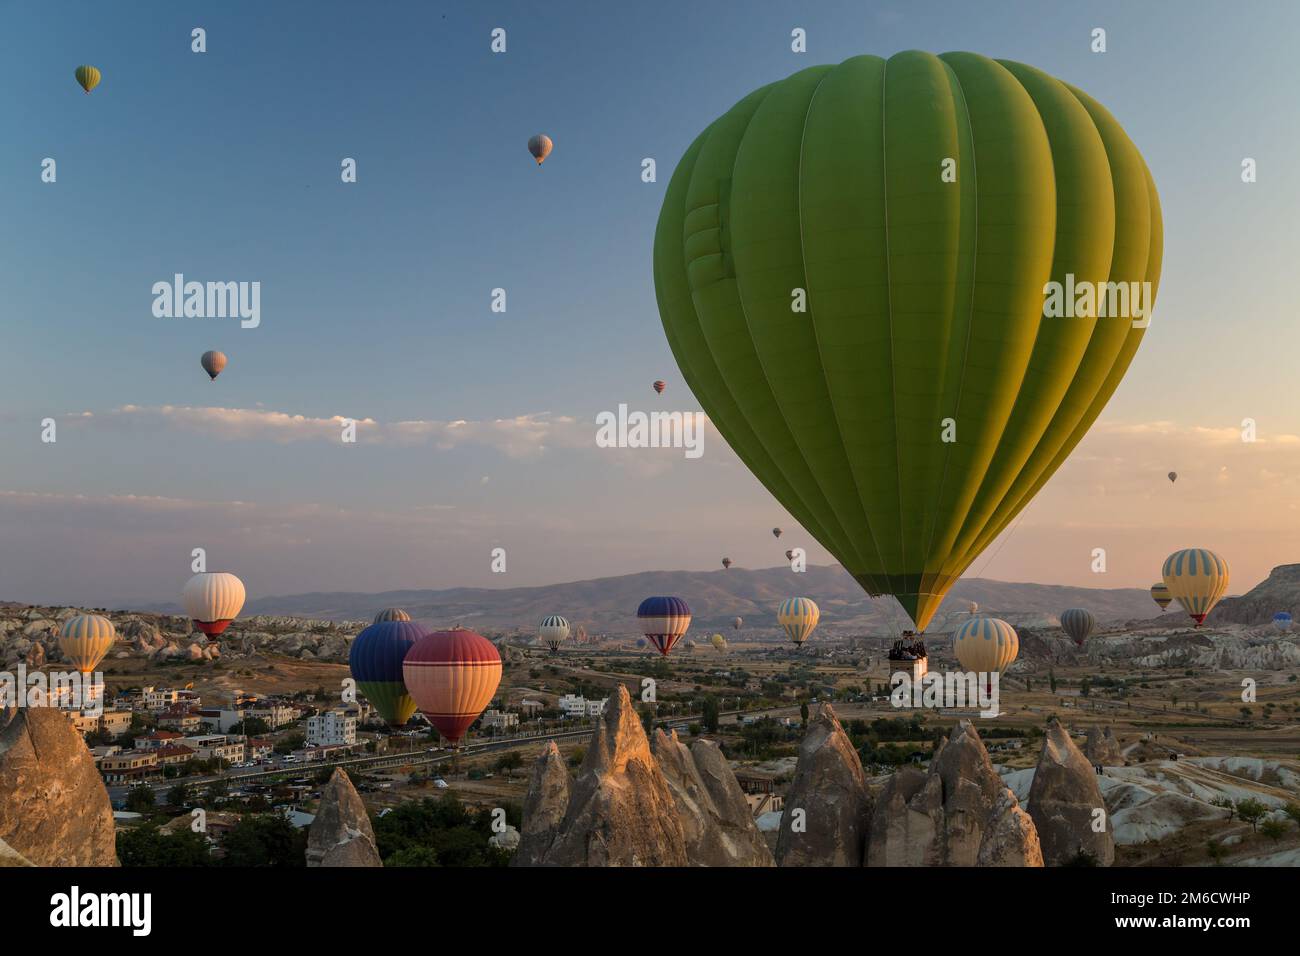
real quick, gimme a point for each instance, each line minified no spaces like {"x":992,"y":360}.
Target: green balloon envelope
{"x":851,"y":267}
{"x":390,"y":700}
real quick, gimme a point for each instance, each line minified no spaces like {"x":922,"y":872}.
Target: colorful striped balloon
{"x":85,"y":639}
{"x":986,"y":645}
{"x":1160,"y":594}
{"x":1078,"y":624}
{"x":391,"y":614}
{"x":453,"y":676}
{"x":664,"y":620}
{"x":1197,"y":578}
{"x":375,"y":660}
{"x":799,"y":617}
{"x":1282,"y":621}
{"x":213,"y":600}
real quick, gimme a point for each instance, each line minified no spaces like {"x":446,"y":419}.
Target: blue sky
{"x":375,"y":296}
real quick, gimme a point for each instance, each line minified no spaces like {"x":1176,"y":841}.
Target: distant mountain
{"x":1280,"y":591}
{"x":608,"y":605}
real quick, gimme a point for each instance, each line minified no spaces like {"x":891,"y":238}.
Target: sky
{"x":478,"y":426}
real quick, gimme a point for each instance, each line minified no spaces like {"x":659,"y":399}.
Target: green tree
{"x":1252,"y":811}
{"x":149,"y":846}
{"x":140,"y":800}
{"x":803,"y":713}
{"x":1273,"y":829}
{"x":265,"y":839}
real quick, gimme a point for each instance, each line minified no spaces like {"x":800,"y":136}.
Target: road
{"x":117,"y":794}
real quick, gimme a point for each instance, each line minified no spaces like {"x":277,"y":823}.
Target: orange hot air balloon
{"x":452,"y":675}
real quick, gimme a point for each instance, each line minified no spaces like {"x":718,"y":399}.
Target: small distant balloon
{"x":776,"y":532}
{"x":1282,"y":621}
{"x":736,"y":624}
{"x":540,"y":146}
{"x":1173,"y":476}
{"x":789,"y":555}
{"x":660,"y":385}
{"x":726,"y":562}
{"x":88,"y":77}
{"x":213,"y":362}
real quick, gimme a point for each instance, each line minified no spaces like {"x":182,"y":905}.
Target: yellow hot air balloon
{"x":986,"y":645}
{"x":88,"y":77}
{"x":85,"y":639}
{"x":799,"y":616}
{"x":1196,"y":578}
{"x":719,"y":642}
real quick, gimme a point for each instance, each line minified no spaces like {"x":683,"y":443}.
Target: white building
{"x":275,"y":715}
{"x":208,"y":746}
{"x":500,"y":720}
{"x":332,"y":728}
{"x":574,"y":706}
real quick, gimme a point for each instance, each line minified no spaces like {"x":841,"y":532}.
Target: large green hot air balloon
{"x":851,"y":269}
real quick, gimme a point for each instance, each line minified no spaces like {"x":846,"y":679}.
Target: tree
{"x":1085,"y":687}
{"x":1226,"y":804}
{"x":1216,"y":851}
{"x":149,"y":846}
{"x":1252,"y":811}
{"x":140,"y":800}
{"x":1051,"y":680}
{"x":803,"y":713}
{"x":265,"y":839}
{"x":509,"y":762}
{"x":711,"y":714}
{"x":179,"y":795}
{"x":1293,"y":811}
{"x":1273,"y":829}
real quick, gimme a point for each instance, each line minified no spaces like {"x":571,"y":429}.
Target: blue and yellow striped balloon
{"x":664,"y":620}
{"x":986,"y":645}
{"x":85,"y":639}
{"x":1197,"y":578}
{"x":799,"y":617}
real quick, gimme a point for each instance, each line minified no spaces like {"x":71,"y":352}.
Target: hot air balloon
{"x":789,"y":555}
{"x":452,"y":675}
{"x":918,"y":300}
{"x":986,"y":645}
{"x":88,"y":77}
{"x":659,"y":386}
{"x":726,"y":562}
{"x":85,"y":639}
{"x":972,"y":607}
{"x":799,"y":616}
{"x":719,"y":642}
{"x":664,"y":620}
{"x":391,"y":614}
{"x":375,"y":660}
{"x":1077,"y":623}
{"x":776,"y":532}
{"x":642,"y":643}
{"x":1196,"y":579}
{"x":1282,"y":621}
{"x":735,"y":625}
{"x":1173,"y":476}
{"x":580,"y":635}
{"x":689,"y":644}
{"x":554,"y":631}
{"x":213,"y":363}
{"x":1160,"y":594}
{"x":213,"y":599}
{"x":540,"y":147}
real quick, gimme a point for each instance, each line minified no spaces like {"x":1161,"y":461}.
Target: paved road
{"x":407,"y":758}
